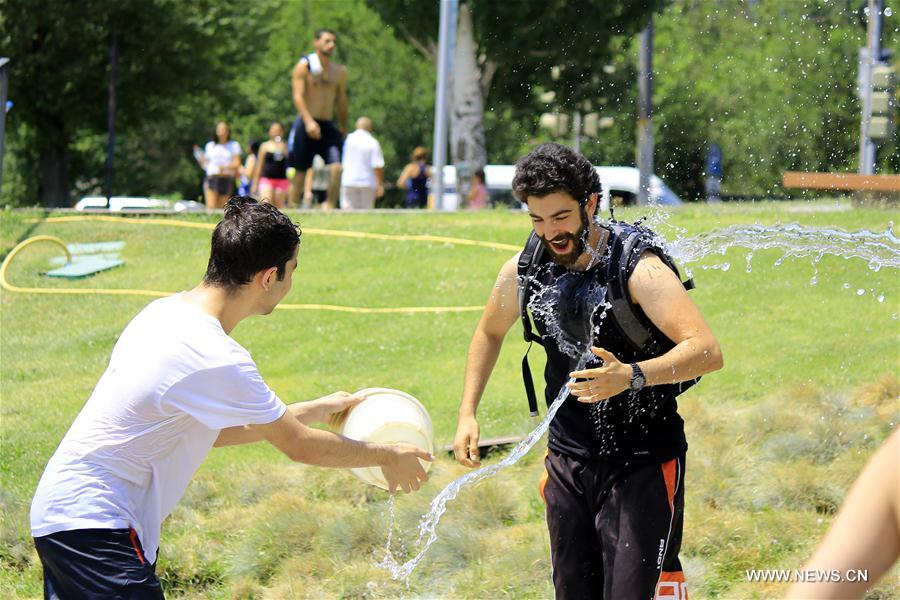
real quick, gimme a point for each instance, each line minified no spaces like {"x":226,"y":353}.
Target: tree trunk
{"x":467,"y":107}
{"x":54,"y":185}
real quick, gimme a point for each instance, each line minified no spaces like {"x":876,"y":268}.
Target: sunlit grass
{"x":809,"y":390}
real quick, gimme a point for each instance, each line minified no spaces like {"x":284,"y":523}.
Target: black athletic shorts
{"x":96,"y":563}
{"x":615,"y":530}
{"x":302,"y":148}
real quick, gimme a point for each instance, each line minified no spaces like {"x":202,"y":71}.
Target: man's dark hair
{"x":553,"y":168}
{"x":323,"y":31}
{"x":252,"y":236}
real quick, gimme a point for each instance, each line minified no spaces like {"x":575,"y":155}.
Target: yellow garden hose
{"x":175,"y":223}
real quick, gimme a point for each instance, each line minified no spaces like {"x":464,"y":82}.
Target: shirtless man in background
{"x":318,"y":85}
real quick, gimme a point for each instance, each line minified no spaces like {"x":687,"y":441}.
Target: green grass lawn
{"x":809,"y":389}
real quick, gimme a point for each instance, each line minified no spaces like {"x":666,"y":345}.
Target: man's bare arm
{"x":399,"y":462}
{"x":342,"y":101}
{"x":321,"y":410}
{"x":379,"y":181}
{"x":865,"y":535}
{"x":298,"y":87}
{"x":501,"y":312}
{"x":660,"y":294}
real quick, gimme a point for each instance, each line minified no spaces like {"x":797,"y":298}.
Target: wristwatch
{"x":638,"y":381}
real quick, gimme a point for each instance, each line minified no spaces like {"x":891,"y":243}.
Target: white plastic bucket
{"x":388,"y":416}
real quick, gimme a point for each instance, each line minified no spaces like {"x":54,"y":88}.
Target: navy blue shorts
{"x":97,"y":563}
{"x":302,"y":149}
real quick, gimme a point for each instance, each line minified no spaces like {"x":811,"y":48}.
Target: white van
{"x":620,"y":185}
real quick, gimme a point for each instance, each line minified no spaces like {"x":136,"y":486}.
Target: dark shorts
{"x":224,"y":186}
{"x":302,"y":149}
{"x":615,"y":530}
{"x":96,"y":563}
{"x":414,"y":200}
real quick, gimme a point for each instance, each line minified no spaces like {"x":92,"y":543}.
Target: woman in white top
{"x":221,"y":159}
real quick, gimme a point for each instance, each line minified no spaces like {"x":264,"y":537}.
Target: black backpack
{"x":624,"y":238}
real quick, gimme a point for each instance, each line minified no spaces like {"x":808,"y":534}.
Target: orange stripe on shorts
{"x":671,"y":586}
{"x":137,"y":550}
{"x":670,"y":474}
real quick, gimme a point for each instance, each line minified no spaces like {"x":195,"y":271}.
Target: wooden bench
{"x":848,"y":182}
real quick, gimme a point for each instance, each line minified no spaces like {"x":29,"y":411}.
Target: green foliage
{"x":524,"y":40}
{"x":774,"y":85}
{"x":176,"y":63}
{"x":183,"y":66}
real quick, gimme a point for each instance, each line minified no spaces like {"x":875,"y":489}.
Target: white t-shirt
{"x":362,"y":153}
{"x":219,"y":156}
{"x":175,"y":378}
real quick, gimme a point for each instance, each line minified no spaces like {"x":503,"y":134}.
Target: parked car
{"x":497,"y":179}
{"x":620,"y":186}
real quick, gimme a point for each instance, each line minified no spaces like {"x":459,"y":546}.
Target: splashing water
{"x":878,"y":250}
{"x":429,"y":523}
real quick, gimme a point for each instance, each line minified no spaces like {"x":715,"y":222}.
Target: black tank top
{"x":642,"y":427}
{"x":274,"y":165}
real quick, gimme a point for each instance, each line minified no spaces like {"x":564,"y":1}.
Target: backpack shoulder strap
{"x":625,"y":245}
{"x":528,"y":260}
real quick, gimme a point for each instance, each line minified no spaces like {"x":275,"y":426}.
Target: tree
{"x":518,"y":43}
{"x":168,"y":51}
{"x":774,"y":85}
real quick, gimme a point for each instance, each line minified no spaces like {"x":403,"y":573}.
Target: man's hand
{"x":403,"y":471}
{"x":334,"y":408}
{"x":612,"y":378}
{"x":465,"y":444}
{"x":313,"y":130}
{"x":379,"y":191}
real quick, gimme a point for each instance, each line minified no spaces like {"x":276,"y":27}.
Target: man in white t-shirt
{"x":362,"y":168}
{"x":177,"y":384}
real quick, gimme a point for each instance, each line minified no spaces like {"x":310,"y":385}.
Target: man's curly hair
{"x":553,"y":168}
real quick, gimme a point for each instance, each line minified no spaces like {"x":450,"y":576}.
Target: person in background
{"x":178,"y":385}
{"x":478,"y":193}
{"x":221,"y":159}
{"x":362,"y":168}
{"x":248,"y":168}
{"x":319,"y":89}
{"x":414,"y":178}
{"x":270,"y":182}
{"x":865,"y":535}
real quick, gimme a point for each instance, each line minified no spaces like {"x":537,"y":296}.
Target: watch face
{"x":637,"y":378}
